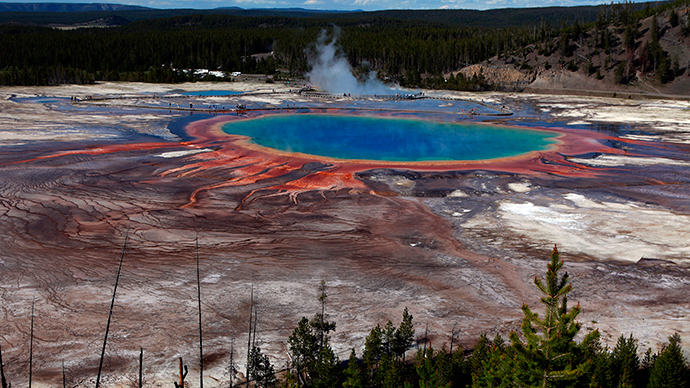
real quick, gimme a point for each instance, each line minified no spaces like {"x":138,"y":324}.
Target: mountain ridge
{"x":67,"y":7}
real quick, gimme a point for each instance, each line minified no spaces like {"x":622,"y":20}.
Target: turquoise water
{"x":43,"y":100}
{"x":212,"y":93}
{"x":388,"y":139}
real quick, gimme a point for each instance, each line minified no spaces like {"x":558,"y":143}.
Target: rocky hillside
{"x":644,"y":52}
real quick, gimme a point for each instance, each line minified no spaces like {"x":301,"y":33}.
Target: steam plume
{"x":331,"y":72}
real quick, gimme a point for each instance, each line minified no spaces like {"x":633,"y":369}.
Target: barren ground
{"x":457,"y":246}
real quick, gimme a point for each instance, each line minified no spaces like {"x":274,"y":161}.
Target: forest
{"x":410,"y":48}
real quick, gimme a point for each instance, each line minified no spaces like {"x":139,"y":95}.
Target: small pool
{"x":212,"y":93}
{"x":389,"y":139}
{"x":42,"y":100}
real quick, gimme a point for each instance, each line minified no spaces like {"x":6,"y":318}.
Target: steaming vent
{"x":332,"y":73}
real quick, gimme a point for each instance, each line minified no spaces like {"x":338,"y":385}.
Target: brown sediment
{"x":104,"y":149}
{"x":292,"y":220}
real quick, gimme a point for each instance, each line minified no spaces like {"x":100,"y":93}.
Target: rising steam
{"x":331,"y":72}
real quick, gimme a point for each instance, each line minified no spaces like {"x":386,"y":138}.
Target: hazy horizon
{"x":341,"y":5}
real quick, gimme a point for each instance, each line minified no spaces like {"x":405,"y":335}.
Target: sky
{"x":345,"y":5}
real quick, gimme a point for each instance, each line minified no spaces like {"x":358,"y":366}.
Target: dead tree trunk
{"x":2,"y":372}
{"x":110,"y":314}
{"x":31,"y":345}
{"x":249,"y":339}
{"x":141,"y":367}
{"x":183,"y":374}
{"x":201,"y":347}
{"x":453,"y":334}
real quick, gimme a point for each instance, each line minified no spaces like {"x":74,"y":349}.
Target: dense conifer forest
{"x":411,"y":48}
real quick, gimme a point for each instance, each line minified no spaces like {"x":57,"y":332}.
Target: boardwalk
{"x":118,"y":101}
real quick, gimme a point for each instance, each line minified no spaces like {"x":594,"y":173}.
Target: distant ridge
{"x":288,"y":10}
{"x":67,"y":7}
{"x":90,"y":7}
{"x":67,"y":14}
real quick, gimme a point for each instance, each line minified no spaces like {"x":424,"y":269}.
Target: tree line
{"x":402,"y":47}
{"x":157,"y":50}
{"x":544,"y":353}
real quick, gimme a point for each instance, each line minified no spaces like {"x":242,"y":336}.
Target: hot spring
{"x":388,"y":139}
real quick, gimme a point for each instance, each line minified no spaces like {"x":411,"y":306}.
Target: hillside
{"x":625,"y":47}
{"x":643,"y":52}
{"x":65,"y":13}
{"x":66,"y":7}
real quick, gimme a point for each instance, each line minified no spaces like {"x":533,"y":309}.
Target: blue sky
{"x":367,"y":5}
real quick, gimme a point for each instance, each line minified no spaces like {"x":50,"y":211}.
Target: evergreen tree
{"x":670,"y":369}
{"x":321,"y":326}
{"x":313,"y":359}
{"x":664,"y":72}
{"x":372,"y":355}
{"x":384,"y":350}
{"x":620,"y":74}
{"x":673,"y":18}
{"x":391,"y":372}
{"x":645,"y":366}
{"x":304,"y":350}
{"x":460,"y":374}
{"x":404,"y":335}
{"x":260,"y":368}
{"x":428,"y":371}
{"x":388,"y":339}
{"x":480,"y":354}
{"x":353,"y":375}
{"x":600,"y":374}
{"x":326,"y":373}
{"x":498,"y":367}
{"x":444,"y":365}
{"x":625,"y":362}
{"x":550,"y":356}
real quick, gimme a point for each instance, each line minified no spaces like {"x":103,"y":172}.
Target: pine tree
{"x":427,"y":369}
{"x":625,"y":362}
{"x":353,"y":375}
{"x":480,"y":353}
{"x":670,"y":369}
{"x":313,"y":359}
{"x":404,"y":335}
{"x":383,"y":350}
{"x":260,"y":368}
{"x":550,"y":355}
{"x":498,"y":369}
{"x":673,"y":18}
{"x":388,"y":338}
{"x":599,"y":373}
{"x":326,"y":373}
{"x":390,"y":372}
{"x":372,"y":355}
{"x":645,"y":367}
{"x":460,"y":374}
{"x":304,"y":348}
